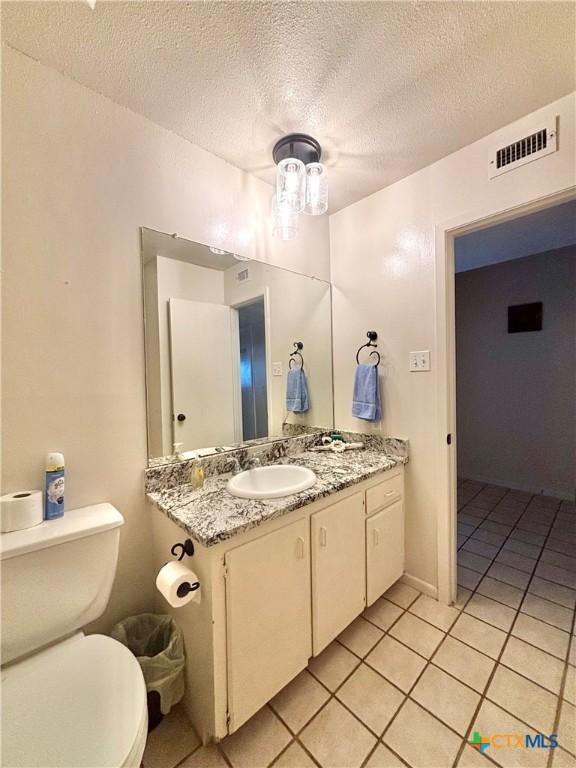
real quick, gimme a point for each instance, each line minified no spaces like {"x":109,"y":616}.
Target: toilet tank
{"x":57,"y":577}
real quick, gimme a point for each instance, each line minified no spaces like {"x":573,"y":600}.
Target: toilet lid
{"x":79,"y":703}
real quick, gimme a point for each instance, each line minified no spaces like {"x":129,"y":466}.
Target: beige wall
{"x":80,"y":176}
{"x":384,"y":274}
{"x":299,"y":310}
{"x":515,"y":392}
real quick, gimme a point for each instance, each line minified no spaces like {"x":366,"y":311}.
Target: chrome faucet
{"x":235,"y":465}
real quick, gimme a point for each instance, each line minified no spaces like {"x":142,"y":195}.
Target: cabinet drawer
{"x":385,"y":493}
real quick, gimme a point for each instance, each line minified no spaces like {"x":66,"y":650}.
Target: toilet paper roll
{"x":22,"y":509}
{"x":173,"y":581}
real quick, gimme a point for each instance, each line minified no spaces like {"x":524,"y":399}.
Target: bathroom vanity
{"x":280,"y":578}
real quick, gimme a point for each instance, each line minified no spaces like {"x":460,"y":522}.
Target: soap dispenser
{"x":197,"y":477}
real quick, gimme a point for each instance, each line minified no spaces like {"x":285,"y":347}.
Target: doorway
{"x":253,"y":377}
{"x":515,"y":328}
{"x":446,"y":234}
{"x":515,"y":322}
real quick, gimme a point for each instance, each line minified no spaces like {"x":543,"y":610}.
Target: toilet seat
{"x":78,"y":704}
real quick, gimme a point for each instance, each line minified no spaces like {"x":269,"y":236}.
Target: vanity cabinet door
{"x":338,"y":568}
{"x":268,"y":622}
{"x":384,"y":550}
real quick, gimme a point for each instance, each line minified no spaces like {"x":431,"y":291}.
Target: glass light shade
{"x":316,"y":196}
{"x":290,"y":184}
{"x":284,"y":221}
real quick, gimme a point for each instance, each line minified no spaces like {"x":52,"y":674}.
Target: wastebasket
{"x":157,"y":643}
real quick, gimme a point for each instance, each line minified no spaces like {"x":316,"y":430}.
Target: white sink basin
{"x":271,"y":482}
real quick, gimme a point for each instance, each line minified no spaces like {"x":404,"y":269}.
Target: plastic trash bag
{"x":158,"y":644}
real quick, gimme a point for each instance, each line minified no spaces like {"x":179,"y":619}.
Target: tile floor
{"x":409,"y":682}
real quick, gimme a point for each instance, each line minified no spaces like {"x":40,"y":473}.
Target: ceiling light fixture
{"x":301,"y":183}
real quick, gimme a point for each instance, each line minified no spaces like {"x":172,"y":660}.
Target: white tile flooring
{"x":409,"y":682}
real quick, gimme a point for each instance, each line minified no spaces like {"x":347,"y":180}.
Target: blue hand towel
{"x":366,"y":397}
{"x":297,"y":391}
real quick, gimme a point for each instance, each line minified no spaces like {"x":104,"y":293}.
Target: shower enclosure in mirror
{"x":226,"y":339}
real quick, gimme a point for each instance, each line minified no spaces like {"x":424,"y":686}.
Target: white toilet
{"x":68,"y":700}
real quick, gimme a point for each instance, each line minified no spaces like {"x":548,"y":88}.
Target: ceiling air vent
{"x":541,"y":142}
{"x":242,"y":276}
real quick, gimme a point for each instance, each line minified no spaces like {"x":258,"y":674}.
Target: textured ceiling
{"x":524,"y":236}
{"x":387,"y":87}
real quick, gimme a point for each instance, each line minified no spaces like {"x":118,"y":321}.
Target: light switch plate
{"x":276,"y":369}
{"x":420,"y":361}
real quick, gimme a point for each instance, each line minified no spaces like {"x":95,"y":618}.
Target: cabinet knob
{"x":323,"y":537}
{"x":376,"y":537}
{"x":181,"y":417}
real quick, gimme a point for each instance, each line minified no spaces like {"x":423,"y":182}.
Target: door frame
{"x":445,"y":329}
{"x":264,"y":294}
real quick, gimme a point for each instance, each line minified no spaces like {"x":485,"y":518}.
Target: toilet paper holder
{"x":179,"y":550}
{"x":186,"y":547}
{"x":187,"y":587}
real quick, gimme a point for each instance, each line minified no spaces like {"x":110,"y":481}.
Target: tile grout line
{"x":430,"y":660}
{"x":526,"y":573}
{"x":446,"y":633}
{"x":461,"y":610}
{"x":561,"y":700}
{"x":531,"y":575}
{"x":332,"y":696}
{"x":505,"y":644}
{"x":296,"y":735}
{"x":379,"y":738}
{"x":415,"y":683}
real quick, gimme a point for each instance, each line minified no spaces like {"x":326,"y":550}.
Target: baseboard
{"x":554,"y":492}
{"x":421,"y":586}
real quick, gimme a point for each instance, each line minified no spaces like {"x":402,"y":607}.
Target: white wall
{"x":81,"y":175}
{"x":515,"y":392}
{"x":383,"y":270}
{"x":299,"y":310}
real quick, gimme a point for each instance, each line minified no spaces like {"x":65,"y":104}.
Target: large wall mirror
{"x":237,"y":350}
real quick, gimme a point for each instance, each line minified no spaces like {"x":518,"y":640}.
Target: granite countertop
{"x":210,"y":514}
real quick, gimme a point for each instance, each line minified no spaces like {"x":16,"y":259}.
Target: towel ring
{"x":372,"y":336}
{"x":298,"y":346}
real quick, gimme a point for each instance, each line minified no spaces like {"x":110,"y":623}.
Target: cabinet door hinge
{"x":449,"y":439}
{"x":225,"y":570}
{"x":227,"y":720}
